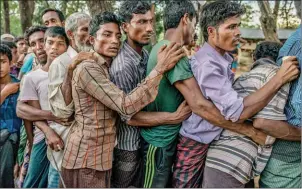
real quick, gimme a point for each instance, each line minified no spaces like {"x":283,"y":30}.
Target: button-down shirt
{"x":8,"y":116}
{"x":127,"y":70}
{"x":97,"y":101}
{"x":215,"y":77}
{"x":56,"y":74}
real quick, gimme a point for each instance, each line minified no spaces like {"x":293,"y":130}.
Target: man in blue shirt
{"x":284,"y":167}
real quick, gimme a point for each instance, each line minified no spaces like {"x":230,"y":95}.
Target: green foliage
{"x":15,"y":24}
{"x":287,"y":16}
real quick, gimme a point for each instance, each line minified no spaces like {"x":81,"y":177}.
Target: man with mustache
{"x":127,"y":70}
{"x":53,"y":17}
{"x":35,"y":94}
{"x":88,"y":154}
{"x":211,"y":67}
{"x":59,"y":87}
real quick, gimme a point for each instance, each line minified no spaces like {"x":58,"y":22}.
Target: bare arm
{"x":9,"y":89}
{"x":31,"y":113}
{"x":208,"y":111}
{"x":28,"y":125}
{"x":278,"y":129}
{"x":4,"y":95}
{"x":66,"y":86}
{"x":152,"y":119}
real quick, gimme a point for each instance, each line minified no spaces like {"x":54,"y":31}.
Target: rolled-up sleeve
{"x":217,"y":87}
{"x":57,"y":104}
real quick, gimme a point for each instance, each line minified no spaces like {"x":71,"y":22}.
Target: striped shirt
{"x":97,"y":101}
{"x":127,"y":71}
{"x":236,"y":154}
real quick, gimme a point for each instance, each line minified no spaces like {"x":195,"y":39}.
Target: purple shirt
{"x":215,"y":78}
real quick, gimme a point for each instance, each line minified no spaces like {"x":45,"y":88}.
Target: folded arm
{"x":31,"y":113}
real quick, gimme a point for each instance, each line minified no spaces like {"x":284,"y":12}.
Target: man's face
{"x":51,"y":18}
{"x":36,"y":42}
{"x":15,"y":55}
{"x":5,"y":65}
{"x":227,"y":36}
{"x":54,"y":47}
{"x":189,"y":31}
{"x":22,"y":47}
{"x":81,"y":36}
{"x":107,"y":41}
{"x":140,"y":28}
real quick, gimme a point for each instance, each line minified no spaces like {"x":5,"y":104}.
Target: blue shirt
{"x":215,"y":79}
{"x":27,"y":66}
{"x":8,"y":115}
{"x":292,"y":47}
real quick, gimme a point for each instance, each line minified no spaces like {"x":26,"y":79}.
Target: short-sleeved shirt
{"x":35,"y":87}
{"x":215,"y":79}
{"x":236,"y":154}
{"x":167,"y":100}
{"x":127,"y":70}
{"x":8,"y":117}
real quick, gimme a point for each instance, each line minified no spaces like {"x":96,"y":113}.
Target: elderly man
{"x":59,"y":87}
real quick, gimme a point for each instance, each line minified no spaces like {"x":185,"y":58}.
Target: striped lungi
{"x":189,"y":164}
{"x":86,"y":178}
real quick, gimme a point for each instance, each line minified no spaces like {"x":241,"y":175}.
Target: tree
{"x":287,"y":16}
{"x":26,"y":8}
{"x":268,"y":20}
{"x":6,"y":17}
{"x":96,"y":7}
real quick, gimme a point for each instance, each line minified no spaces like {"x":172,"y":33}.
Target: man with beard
{"x":35,"y":94}
{"x":59,"y":87}
{"x":88,"y":155}
{"x":128,"y":69}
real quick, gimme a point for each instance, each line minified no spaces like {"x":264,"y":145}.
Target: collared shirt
{"x":236,"y":154}
{"x":56,"y":74}
{"x":8,"y":117}
{"x":127,"y":71}
{"x":215,"y":78}
{"x":97,"y":101}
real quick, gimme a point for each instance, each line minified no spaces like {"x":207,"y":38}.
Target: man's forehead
{"x":36,"y":36}
{"x":147,"y":16}
{"x":50,"y":15}
{"x":110,"y":27}
{"x":56,"y":38}
{"x":232,"y":20}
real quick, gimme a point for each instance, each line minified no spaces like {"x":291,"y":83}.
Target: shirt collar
{"x":137,"y":58}
{"x":100,"y":59}
{"x":263,"y":61}
{"x":71,"y":52}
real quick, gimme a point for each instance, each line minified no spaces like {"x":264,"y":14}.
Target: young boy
{"x":9,"y":122}
{"x":35,"y":93}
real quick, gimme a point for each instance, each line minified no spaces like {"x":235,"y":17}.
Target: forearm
{"x":42,"y":125}
{"x":66,"y":87}
{"x":152,"y":119}
{"x":29,"y":131}
{"x":30,"y":113}
{"x":4,"y":95}
{"x":259,"y":99}
{"x":278,"y":129}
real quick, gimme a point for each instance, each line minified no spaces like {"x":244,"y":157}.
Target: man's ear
{"x":91,"y":39}
{"x":125,"y":27}
{"x":185,"y":19}
{"x":63,"y":23}
{"x":211,"y":31}
{"x":70,"y":35}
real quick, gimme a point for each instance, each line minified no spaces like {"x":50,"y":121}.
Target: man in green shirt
{"x":160,"y":142}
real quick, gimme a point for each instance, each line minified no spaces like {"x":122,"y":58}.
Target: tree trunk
{"x":96,"y":7}
{"x":26,"y":8}
{"x":64,"y":7}
{"x":6,"y":17}
{"x":268,"y":22}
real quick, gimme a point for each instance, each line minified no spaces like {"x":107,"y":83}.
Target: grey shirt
{"x":128,"y":69}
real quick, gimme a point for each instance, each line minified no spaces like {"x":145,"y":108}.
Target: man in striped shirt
{"x":236,"y":157}
{"x":128,"y":69}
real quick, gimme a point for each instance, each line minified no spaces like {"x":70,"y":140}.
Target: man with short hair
{"x":283,"y":169}
{"x":7,"y":37}
{"x":88,"y":155}
{"x":53,"y":17}
{"x":59,"y":87}
{"x":15,"y":56}
{"x":35,"y":94}
{"x":128,"y":69}
{"x":9,"y":122}
{"x":21,"y":45}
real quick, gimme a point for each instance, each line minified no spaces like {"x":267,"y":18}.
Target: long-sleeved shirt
{"x":97,"y":101}
{"x":56,"y":74}
{"x":215,"y":78}
{"x":128,"y":69}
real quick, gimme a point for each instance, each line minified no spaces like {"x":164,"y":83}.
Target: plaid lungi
{"x":189,"y":164}
{"x":126,"y":170}
{"x":85,"y":178}
{"x":53,"y":178}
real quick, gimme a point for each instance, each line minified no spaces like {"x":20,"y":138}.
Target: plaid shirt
{"x":8,"y":116}
{"x":97,"y":101}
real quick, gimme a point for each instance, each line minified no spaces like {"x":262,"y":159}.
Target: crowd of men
{"x":80,"y":108}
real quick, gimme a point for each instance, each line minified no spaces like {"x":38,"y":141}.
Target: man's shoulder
{"x":64,"y":60}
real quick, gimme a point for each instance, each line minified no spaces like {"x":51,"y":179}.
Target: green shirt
{"x":167,"y":100}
